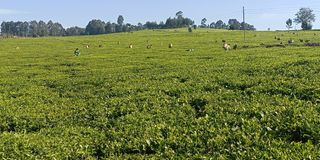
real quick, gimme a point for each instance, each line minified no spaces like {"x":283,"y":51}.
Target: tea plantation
{"x":191,"y":101}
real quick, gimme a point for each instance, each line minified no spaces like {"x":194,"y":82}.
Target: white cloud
{"x":10,"y":12}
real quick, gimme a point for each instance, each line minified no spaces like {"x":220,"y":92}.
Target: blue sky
{"x":263,"y":14}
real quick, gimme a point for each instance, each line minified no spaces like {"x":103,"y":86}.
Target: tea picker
{"x":77,"y":52}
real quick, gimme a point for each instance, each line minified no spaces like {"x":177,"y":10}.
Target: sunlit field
{"x":194,"y":100}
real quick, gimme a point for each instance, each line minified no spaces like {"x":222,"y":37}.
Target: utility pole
{"x":244,"y":25}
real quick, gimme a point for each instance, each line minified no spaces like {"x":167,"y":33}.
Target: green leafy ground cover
{"x":113,"y":102}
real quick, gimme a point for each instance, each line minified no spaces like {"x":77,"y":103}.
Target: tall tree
{"x":305,"y":17}
{"x":213,"y":25}
{"x":234,"y":24}
{"x":120,"y":20}
{"x":95,"y":27}
{"x":57,"y":29}
{"x":42,"y":29}
{"x":203,"y":23}
{"x":5,"y":28}
{"x":289,"y":23}
{"x":179,"y":18}
{"x":179,"y":14}
{"x":110,"y":27}
{"x":171,"y":23}
{"x":18,"y":28}
{"x":25,"y":29}
{"x":10,"y":27}
{"x":140,"y":26}
{"x":33,"y":29}
{"x":220,"y":24}
{"x":50,"y":25}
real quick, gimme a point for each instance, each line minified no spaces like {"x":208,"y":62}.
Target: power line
{"x":256,"y":11}
{"x":285,"y":7}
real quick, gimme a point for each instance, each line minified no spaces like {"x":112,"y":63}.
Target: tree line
{"x":96,"y":26}
{"x":32,"y":29}
{"x":233,"y":24}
